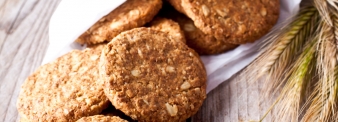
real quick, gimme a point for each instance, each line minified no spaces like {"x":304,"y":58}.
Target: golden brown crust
{"x":131,"y":14}
{"x":151,"y":76}
{"x":235,"y":21}
{"x":203,"y":44}
{"x":101,"y":118}
{"x":64,"y":90}
{"x":168,"y":26}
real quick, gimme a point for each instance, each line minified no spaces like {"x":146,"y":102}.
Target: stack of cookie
{"x":141,"y":61}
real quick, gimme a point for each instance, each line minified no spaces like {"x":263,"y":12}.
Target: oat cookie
{"x":169,"y":26}
{"x":151,"y":76}
{"x":131,"y":14}
{"x":203,"y":44}
{"x":101,"y":118}
{"x":236,"y":21}
{"x":64,"y":90}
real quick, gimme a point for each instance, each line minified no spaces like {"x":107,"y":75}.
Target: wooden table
{"x":24,"y":40}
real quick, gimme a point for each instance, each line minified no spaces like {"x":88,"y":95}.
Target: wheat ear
{"x":288,"y":103}
{"x":282,"y":54}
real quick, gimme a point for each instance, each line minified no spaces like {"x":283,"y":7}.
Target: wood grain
{"x":234,"y":101}
{"x":24,"y":40}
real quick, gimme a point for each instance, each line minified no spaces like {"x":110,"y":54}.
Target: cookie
{"x":101,"y":118}
{"x":234,"y":21}
{"x":131,"y":14}
{"x":203,"y":44}
{"x":151,"y":76}
{"x":64,"y":90}
{"x":168,"y":26}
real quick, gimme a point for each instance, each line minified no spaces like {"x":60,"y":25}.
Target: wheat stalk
{"x":314,"y":76}
{"x":324,"y":104}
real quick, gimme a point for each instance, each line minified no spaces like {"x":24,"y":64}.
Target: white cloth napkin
{"x":73,"y":17}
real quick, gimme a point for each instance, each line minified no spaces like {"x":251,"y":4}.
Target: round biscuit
{"x":151,"y":76}
{"x":203,"y":44}
{"x":131,"y":14}
{"x":65,"y":89}
{"x":234,"y":21}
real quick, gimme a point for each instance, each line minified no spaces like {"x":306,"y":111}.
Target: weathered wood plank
{"x":234,"y":101}
{"x":22,"y":49}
